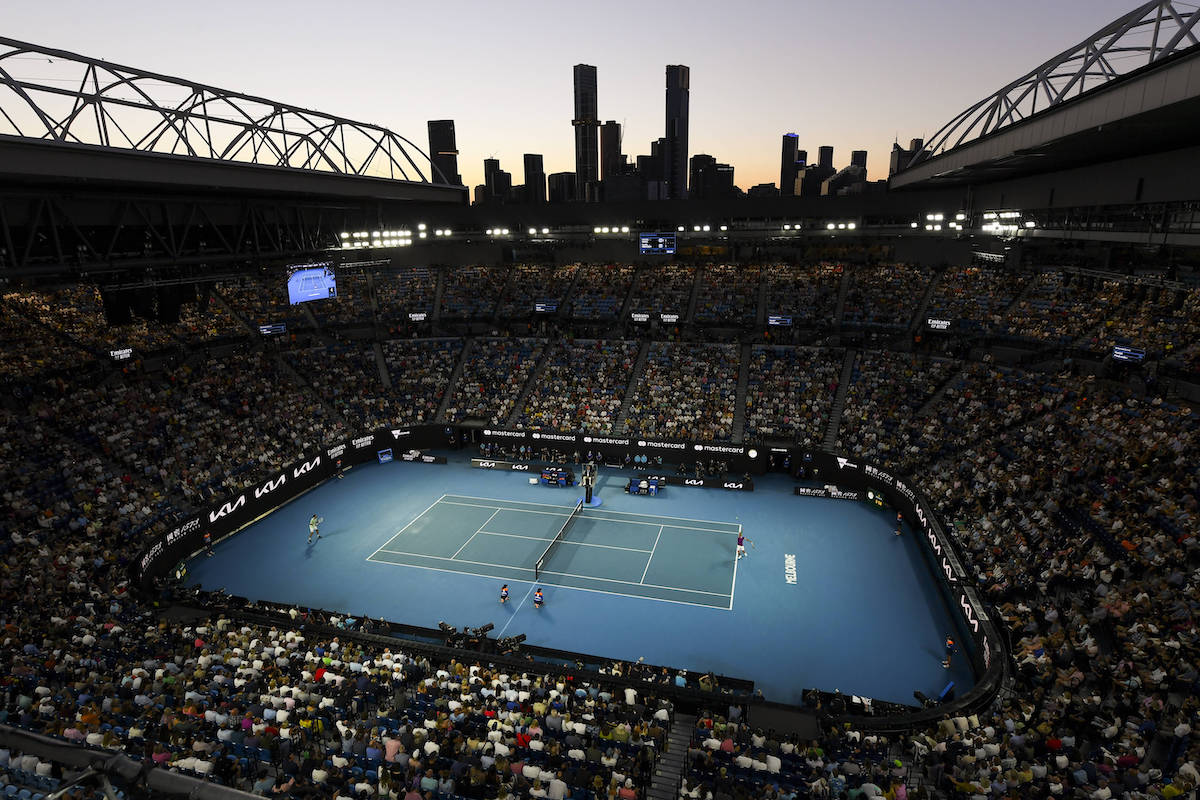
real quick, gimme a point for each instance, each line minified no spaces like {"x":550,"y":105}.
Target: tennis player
{"x":899,"y":522}
{"x":504,"y":593}
{"x":537,"y":598}
{"x":741,"y":549}
{"x":314,"y":528}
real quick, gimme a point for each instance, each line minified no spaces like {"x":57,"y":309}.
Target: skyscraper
{"x":610,"y":150}
{"x":535,"y":179}
{"x":443,"y":151}
{"x":858,"y":158}
{"x":498,"y":183}
{"x":587,"y":123}
{"x":787,"y":165}
{"x":678,"y":92}
{"x":825,"y":157}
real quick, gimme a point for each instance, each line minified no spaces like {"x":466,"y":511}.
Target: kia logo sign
{"x":487,"y":464}
{"x":520,"y":466}
{"x":307,"y":466}
{"x":270,"y":486}
{"x":969,"y":613}
{"x":693,"y":482}
{"x":729,"y":485}
{"x":213,"y":516}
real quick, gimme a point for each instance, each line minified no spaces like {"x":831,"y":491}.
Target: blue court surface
{"x":827,"y":597}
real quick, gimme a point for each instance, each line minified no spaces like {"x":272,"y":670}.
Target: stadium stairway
{"x":760,"y":316}
{"x":938,"y":394}
{"x":438,"y":291}
{"x":739,"y":408}
{"x":624,"y":315}
{"x":668,"y":772}
{"x":635,"y":375}
{"x":843,"y":288}
{"x":219,"y":300}
{"x":568,"y":296}
{"x":914,"y":324}
{"x":384,"y":377}
{"x":534,"y":374}
{"x":839,"y":400}
{"x":468,"y":343}
{"x":694,"y":297}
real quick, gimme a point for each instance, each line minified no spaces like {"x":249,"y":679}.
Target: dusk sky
{"x":855,"y":75}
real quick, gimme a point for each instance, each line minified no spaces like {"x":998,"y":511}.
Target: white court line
{"x":551,"y":572}
{"x":592,"y":514}
{"x":559,"y":585}
{"x":402,"y":530}
{"x":651,"y":558}
{"x":596,"y":511}
{"x":476,"y":533}
{"x":564,"y":541}
{"x":733,"y":588}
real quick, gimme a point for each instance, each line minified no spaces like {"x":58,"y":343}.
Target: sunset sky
{"x":855,"y":75}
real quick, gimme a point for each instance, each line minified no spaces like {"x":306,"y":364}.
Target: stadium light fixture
{"x":421,"y":226}
{"x":696,"y":228}
{"x":624,"y":229}
{"x":787,"y":227}
{"x":604,"y":229}
{"x":345,"y":235}
{"x":680,"y":229}
{"x":830,"y":226}
{"x":851,"y":225}
{"x":1030,"y":223}
{"x":504,"y":231}
{"x":841,"y":226}
{"x":960,"y":216}
{"x":596,"y":229}
{"x":724,"y":227}
{"x":532,"y":231}
{"x":912,"y":224}
{"x":422,"y":234}
{"x":545,"y":230}
{"x":706,"y":227}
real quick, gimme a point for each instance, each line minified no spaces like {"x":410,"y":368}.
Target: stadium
{"x":321,"y":483}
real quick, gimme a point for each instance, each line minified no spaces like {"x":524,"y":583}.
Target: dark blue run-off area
{"x":828,"y":597}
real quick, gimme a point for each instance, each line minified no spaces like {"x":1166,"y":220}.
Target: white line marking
{"x":559,"y":585}
{"x":593,"y":511}
{"x":518,"y":611}
{"x":402,"y":530}
{"x":733,"y":587}
{"x":651,"y":558}
{"x":552,"y":572}
{"x":563,"y":541}
{"x":476,"y":533}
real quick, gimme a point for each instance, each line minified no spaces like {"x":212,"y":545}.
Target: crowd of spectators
{"x":354,"y":304}
{"x":600,"y":290}
{"x":262,"y":301}
{"x":535,"y":283}
{"x":806,"y":293}
{"x":663,"y":289}
{"x":975,"y":298}
{"x":473,"y":292}
{"x":728,"y":294}
{"x":885,"y":295}
{"x":790,"y":391}
{"x":494,"y":373}
{"x":686,"y":391}
{"x":33,"y":348}
{"x":420,"y":371}
{"x":404,"y":291}
{"x":346,"y":375}
{"x":581,"y":387}
{"x":886,"y":391}
{"x":1074,"y":503}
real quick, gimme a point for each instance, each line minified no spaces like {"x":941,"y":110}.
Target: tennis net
{"x":540,"y":564}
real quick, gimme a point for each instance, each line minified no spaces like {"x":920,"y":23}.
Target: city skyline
{"x":855,"y":79}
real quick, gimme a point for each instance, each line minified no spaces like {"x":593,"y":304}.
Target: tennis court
{"x":672,"y":559}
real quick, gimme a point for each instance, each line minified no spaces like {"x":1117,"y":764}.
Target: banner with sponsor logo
{"x":237,"y":510}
